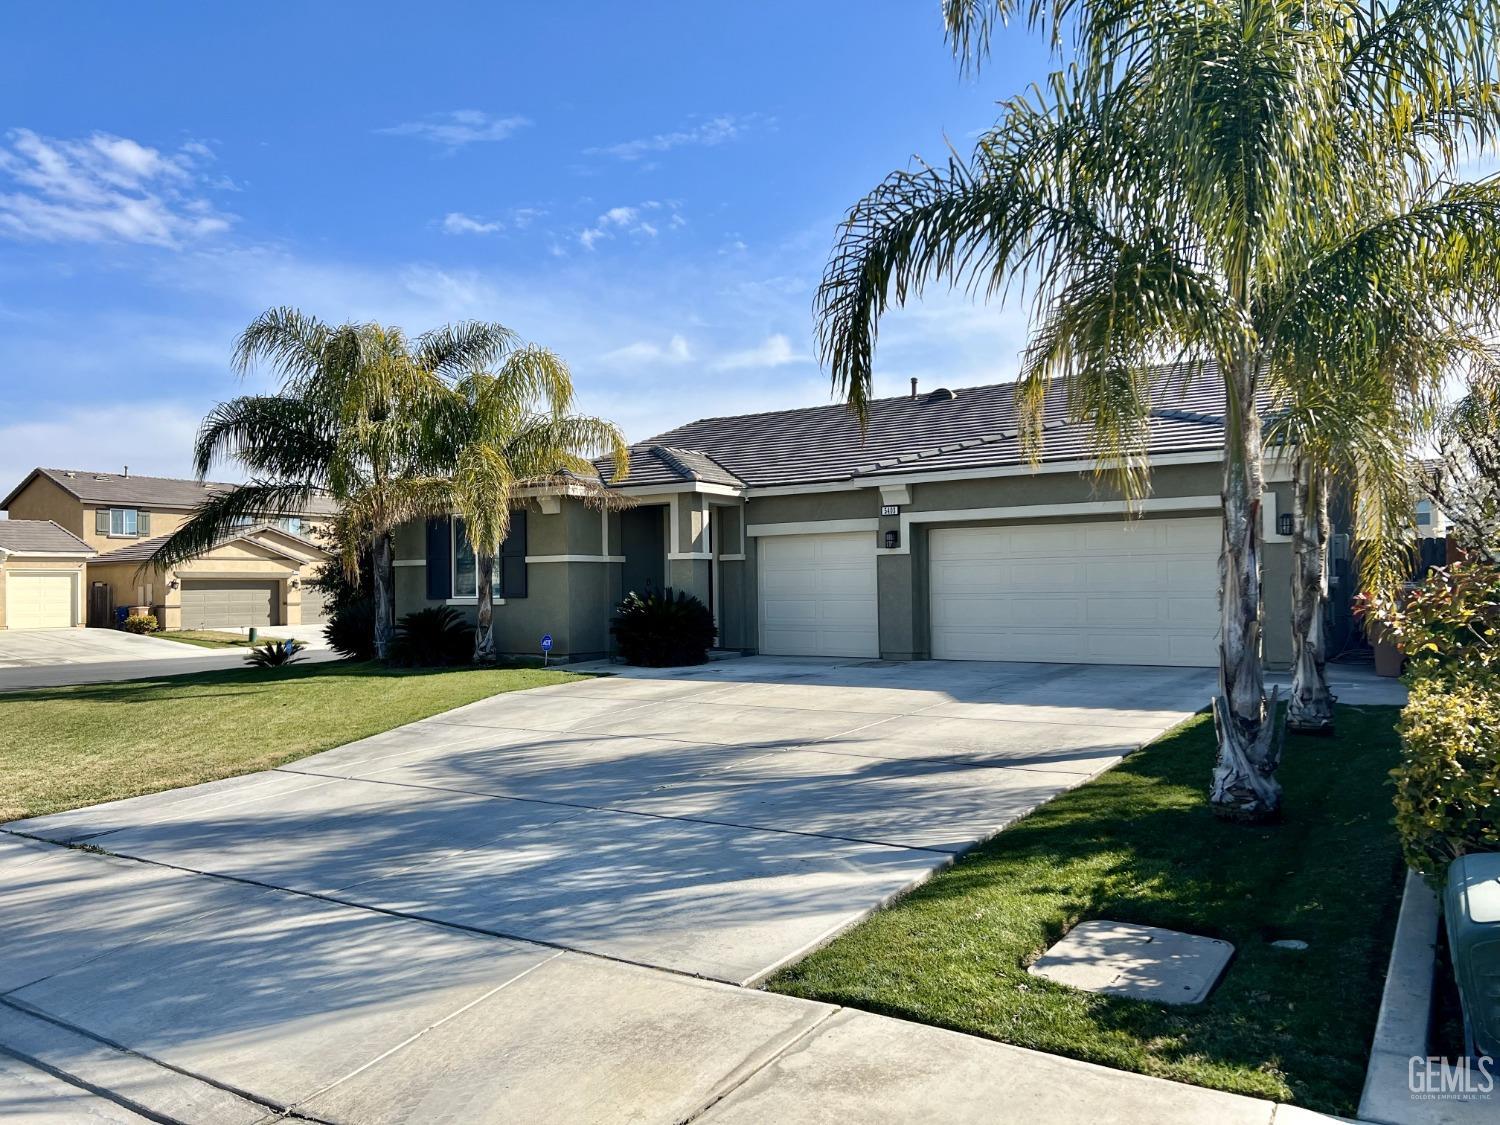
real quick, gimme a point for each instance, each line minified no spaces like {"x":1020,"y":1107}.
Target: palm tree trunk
{"x":1310,"y":708}
{"x":1244,"y":782}
{"x":383,"y":572}
{"x":484,"y":639}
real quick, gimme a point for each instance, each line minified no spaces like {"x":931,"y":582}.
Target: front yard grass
{"x":213,"y":638}
{"x":70,"y":746}
{"x":1139,"y":844}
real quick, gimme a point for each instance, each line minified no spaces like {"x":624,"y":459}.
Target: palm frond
{"x":224,"y":513}
{"x":455,"y":350}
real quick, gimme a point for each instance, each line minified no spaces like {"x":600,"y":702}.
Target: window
{"x":451,"y":566}
{"x":1424,"y":513}
{"x":124,"y":521}
{"x":465,"y":568}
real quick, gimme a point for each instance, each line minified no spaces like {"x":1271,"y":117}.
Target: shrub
{"x":140,"y":623}
{"x":433,"y":637}
{"x":1449,"y":625}
{"x":273,"y":654}
{"x":351,"y":630}
{"x":1448,"y":783}
{"x":662,"y":630}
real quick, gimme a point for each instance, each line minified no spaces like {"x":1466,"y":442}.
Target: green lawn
{"x":212,"y":638}
{"x":1139,"y":844}
{"x":71,"y":746}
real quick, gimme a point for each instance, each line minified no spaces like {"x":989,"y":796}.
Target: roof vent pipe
{"x":127,"y":472}
{"x":913,"y":386}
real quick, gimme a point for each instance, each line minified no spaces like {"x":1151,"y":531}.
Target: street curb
{"x":1402,"y":1030}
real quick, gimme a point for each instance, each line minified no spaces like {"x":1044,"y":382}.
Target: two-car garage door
{"x":1110,"y":592}
{"x":228,"y":603}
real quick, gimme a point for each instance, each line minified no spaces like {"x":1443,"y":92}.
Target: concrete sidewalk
{"x":238,"y":1004}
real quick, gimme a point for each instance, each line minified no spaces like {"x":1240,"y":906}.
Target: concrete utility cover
{"x":1142,"y":962}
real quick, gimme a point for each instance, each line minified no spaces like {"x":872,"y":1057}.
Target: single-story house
{"x":255,"y":576}
{"x":41,"y":575}
{"x":930,"y":535}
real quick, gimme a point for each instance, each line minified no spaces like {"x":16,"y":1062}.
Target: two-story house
{"x":114,"y":522}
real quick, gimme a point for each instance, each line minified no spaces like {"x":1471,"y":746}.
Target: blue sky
{"x":650,"y":189}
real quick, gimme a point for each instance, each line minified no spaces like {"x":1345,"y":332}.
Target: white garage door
{"x":817,"y":595}
{"x":38,"y":601}
{"x":1115,"y":592}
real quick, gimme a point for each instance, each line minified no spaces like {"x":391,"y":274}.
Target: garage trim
{"x":1029,"y":512}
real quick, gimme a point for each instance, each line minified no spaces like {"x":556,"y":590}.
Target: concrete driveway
{"x":539,"y":906}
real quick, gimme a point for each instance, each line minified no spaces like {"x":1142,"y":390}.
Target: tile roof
{"x":973,"y":427}
{"x":40,"y":537}
{"x":142,"y":549}
{"x":664,"y":464}
{"x":163,"y":492}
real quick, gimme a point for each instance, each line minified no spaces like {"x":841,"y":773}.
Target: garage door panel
{"x":1116,"y":593}
{"x":39,"y":601}
{"x":228,"y":603}
{"x":1194,"y":575}
{"x":818,"y":595}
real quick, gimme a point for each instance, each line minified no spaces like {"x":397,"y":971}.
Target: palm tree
{"x":497,"y":433}
{"x":1162,"y":197}
{"x":346,"y":422}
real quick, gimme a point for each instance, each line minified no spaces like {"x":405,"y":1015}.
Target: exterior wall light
{"x":892,"y":539}
{"x":1284,"y":523}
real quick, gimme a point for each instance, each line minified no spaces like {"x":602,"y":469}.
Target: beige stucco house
{"x":256,"y":576}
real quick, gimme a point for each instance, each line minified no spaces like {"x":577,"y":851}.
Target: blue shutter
{"x":513,"y":558}
{"x":439,"y":560}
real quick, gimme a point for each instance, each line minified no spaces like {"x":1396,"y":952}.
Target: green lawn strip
{"x":71,"y":746}
{"x":209,"y":638}
{"x":1139,"y":844}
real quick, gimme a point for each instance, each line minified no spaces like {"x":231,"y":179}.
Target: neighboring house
{"x":41,"y":575}
{"x":928,"y":536}
{"x":254,"y":577}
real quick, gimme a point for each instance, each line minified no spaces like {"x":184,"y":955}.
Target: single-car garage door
{"x":221,"y":604}
{"x":1114,"y":592}
{"x":39,"y":601}
{"x":817,"y":595}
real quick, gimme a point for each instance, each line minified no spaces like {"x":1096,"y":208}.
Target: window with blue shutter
{"x":439,"y":559}
{"x":512,"y":561}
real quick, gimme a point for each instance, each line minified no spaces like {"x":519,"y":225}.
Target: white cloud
{"x":459,"y":127}
{"x":630,"y":220}
{"x":158,"y":441}
{"x":676,"y":350}
{"x":104,"y":189}
{"x":456,"y":222}
{"x":774,"y":351}
{"x":715,"y":131}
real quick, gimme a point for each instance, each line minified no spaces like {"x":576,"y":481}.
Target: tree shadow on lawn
{"x":249,"y":681}
{"x":1139,"y":844}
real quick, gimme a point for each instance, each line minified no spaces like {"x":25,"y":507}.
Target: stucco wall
{"x":43,"y":500}
{"x":569,"y":600}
